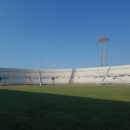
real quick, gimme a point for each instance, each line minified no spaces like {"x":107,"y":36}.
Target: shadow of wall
{"x":28,"y":110}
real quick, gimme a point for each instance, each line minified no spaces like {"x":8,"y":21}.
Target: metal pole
{"x":101,"y":54}
{"x":40,"y":72}
{"x":106,"y":52}
{"x":53,"y":73}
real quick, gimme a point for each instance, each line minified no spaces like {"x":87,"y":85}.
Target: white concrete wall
{"x":114,"y":74}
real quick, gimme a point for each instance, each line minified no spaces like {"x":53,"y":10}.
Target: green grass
{"x":65,"y":107}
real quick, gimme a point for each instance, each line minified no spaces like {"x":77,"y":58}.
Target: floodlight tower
{"x":100,"y":50}
{"x":103,"y":40}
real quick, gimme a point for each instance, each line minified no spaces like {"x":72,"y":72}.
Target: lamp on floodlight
{"x":103,"y":40}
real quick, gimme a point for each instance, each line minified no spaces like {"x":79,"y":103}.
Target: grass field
{"x":65,"y":107}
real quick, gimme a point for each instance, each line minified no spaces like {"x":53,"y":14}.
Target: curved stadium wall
{"x":99,"y":75}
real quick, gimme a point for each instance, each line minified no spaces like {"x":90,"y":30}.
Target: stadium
{"x":79,"y":100}
{"x":87,"y":88}
{"x":98,"y":75}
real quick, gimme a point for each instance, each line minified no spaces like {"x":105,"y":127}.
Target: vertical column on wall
{"x":103,"y":72}
{"x":22,"y":73}
{"x":28,"y":81}
{"x":86,"y":73}
{"x":11,"y":73}
{"x":1,"y":81}
{"x":40,"y":78}
{"x":53,"y":74}
{"x":33,"y":77}
{"x":42,"y":74}
{"x":32,"y":73}
{"x":77,"y":73}
{"x":106,"y":70}
{"x":72,"y":75}
{"x":93,"y":80}
{"x":64,"y":73}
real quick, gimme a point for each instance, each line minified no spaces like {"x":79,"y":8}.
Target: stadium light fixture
{"x":103,"y":40}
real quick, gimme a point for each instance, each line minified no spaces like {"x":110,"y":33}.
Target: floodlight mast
{"x":106,"y":52}
{"x":101,"y":53}
{"x":99,"y":41}
{"x":103,"y":40}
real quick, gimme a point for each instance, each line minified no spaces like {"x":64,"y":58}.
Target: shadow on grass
{"x":36,"y":111}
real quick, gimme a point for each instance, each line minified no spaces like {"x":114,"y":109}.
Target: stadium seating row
{"x":99,"y":75}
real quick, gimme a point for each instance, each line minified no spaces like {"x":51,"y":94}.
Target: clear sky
{"x":63,"y":31}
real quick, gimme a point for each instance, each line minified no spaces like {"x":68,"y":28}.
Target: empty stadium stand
{"x":99,"y":75}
